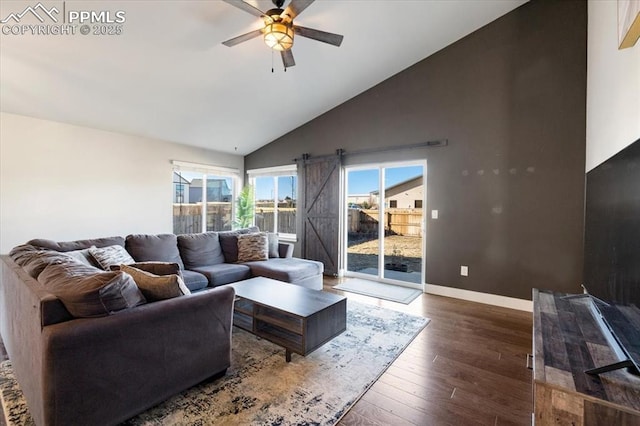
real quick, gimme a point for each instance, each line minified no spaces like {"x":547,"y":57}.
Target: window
{"x":179,"y":185}
{"x":417,"y":204}
{"x":393,"y":204}
{"x":203,"y":197}
{"x":276,"y":191}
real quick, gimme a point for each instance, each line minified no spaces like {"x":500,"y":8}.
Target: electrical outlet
{"x":464,"y":271}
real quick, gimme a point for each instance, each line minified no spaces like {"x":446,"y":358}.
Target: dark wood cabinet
{"x":567,"y":341}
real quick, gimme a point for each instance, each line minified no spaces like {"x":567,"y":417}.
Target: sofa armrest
{"x":285,"y":249}
{"x":135,"y":359}
{"x":21,"y":328}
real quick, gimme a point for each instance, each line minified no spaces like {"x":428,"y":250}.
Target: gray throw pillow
{"x":112,"y":255}
{"x":88,"y":292}
{"x":252,"y":247}
{"x":84,"y":256}
{"x":157,"y":287}
{"x":229,"y":244}
{"x":202,"y":249}
{"x":274,"y":244}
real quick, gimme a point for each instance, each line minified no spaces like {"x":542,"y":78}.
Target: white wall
{"x":66,"y":182}
{"x":613,"y":86}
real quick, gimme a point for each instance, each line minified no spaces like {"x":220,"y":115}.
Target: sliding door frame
{"x":381,"y":166}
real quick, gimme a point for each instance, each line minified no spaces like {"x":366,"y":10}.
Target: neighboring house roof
{"x":217,"y":190}
{"x":411,"y":183}
{"x":180,"y":179}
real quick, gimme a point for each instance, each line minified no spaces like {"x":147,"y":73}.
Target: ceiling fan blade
{"x":323,"y":36}
{"x":287,"y":58}
{"x":244,"y":37}
{"x":246,"y":7}
{"x":296,"y":7}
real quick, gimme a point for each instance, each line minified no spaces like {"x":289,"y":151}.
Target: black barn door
{"x":320,"y":210}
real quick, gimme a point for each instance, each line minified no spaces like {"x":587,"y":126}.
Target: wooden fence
{"x":187,"y":218}
{"x":396,"y":221}
{"x":286,"y":219}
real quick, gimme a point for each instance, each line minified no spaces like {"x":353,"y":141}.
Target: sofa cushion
{"x":224,"y":273}
{"x":112,"y":255}
{"x":157,"y":287}
{"x":160,"y":247}
{"x":53,"y":310}
{"x":289,"y":269}
{"x":77,"y":245}
{"x":194,"y":280}
{"x":201,"y":249}
{"x":253,"y":247}
{"x":89,"y":292}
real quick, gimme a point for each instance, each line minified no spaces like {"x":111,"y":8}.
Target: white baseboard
{"x":474,"y":296}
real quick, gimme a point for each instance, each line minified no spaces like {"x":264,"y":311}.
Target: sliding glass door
{"x":384,"y":222}
{"x":362,"y":221}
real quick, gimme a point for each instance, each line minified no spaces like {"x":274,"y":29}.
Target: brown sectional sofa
{"x":103,"y":370}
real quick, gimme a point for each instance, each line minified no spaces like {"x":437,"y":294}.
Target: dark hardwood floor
{"x":467,"y":367}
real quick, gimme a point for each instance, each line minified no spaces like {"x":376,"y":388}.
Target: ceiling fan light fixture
{"x":278,"y":36}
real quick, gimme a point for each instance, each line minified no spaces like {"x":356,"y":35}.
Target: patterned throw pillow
{"x":155,"y":268}
{"x":253,"y":247}
{"x":112,"y":255}
{"x":40,"y":259}
{"x":156,"y":287}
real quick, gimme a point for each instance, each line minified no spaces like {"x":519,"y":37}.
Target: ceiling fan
{"x":278,"y":30}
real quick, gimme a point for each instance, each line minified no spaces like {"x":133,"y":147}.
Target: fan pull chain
{"x":272,"y":62}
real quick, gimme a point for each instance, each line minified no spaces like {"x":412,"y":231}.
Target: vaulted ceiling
{"x":167,"y":76}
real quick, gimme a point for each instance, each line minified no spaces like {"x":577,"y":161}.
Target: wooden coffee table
{"x":296,"y":318}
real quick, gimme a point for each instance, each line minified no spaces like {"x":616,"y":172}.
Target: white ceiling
{"x":167,"y":76}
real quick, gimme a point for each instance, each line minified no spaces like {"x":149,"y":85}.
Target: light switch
{"x":434,"y":214}
{"x":464,"y":271}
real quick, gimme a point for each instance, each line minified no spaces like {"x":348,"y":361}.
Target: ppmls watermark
{"x":57,"y":20}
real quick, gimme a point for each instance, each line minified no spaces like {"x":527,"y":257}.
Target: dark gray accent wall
{"x":511,"y":100}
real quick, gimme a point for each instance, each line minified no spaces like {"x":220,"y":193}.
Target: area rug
{"x":394,"y":293}
{"x":261,"y":388}
{"x":410,"y":277}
